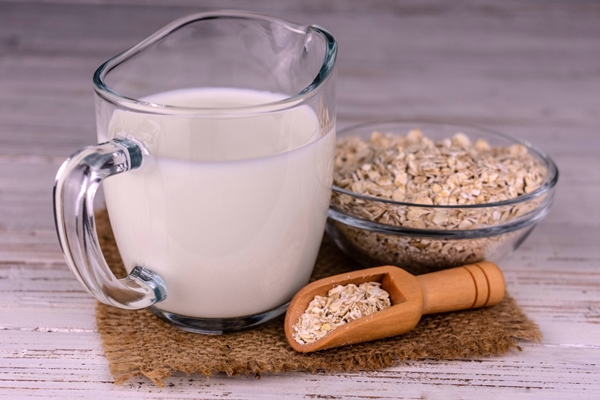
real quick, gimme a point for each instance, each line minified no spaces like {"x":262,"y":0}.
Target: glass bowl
{"x":376,"y":231}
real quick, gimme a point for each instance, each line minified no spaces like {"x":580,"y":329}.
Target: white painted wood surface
{"x":530,"y":69}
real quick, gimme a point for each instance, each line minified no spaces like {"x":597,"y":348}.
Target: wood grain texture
{"x":529,"y":69}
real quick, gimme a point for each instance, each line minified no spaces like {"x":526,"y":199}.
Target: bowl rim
{"x":548,"y":185}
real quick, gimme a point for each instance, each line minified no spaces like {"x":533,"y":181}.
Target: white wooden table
{"x":530,"y":69}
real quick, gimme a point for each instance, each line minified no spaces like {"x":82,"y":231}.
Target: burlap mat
{"x":138,"y":343}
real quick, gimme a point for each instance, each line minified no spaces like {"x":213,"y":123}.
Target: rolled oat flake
{"x":341,"y":305}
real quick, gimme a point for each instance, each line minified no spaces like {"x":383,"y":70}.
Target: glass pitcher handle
{"x":74,"y":189}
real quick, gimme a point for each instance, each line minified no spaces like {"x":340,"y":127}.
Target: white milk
{"x":230,"y":238}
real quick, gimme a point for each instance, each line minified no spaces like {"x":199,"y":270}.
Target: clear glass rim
{"x":548,"y":185}
{"x":110,"y":95}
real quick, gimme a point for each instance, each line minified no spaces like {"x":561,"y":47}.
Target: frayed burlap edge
{"x":136,"y":343}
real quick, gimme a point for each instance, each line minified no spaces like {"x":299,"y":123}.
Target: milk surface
{"x":229,"y":210}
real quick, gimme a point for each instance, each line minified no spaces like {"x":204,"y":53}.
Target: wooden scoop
{"x":470,"y":286}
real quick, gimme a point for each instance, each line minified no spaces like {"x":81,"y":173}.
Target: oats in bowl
{"x":429,"y":196}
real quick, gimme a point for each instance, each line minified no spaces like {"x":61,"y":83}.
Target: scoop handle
{"x":470,"y":286}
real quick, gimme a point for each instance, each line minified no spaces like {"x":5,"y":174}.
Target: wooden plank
{"x":574,"y":374}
